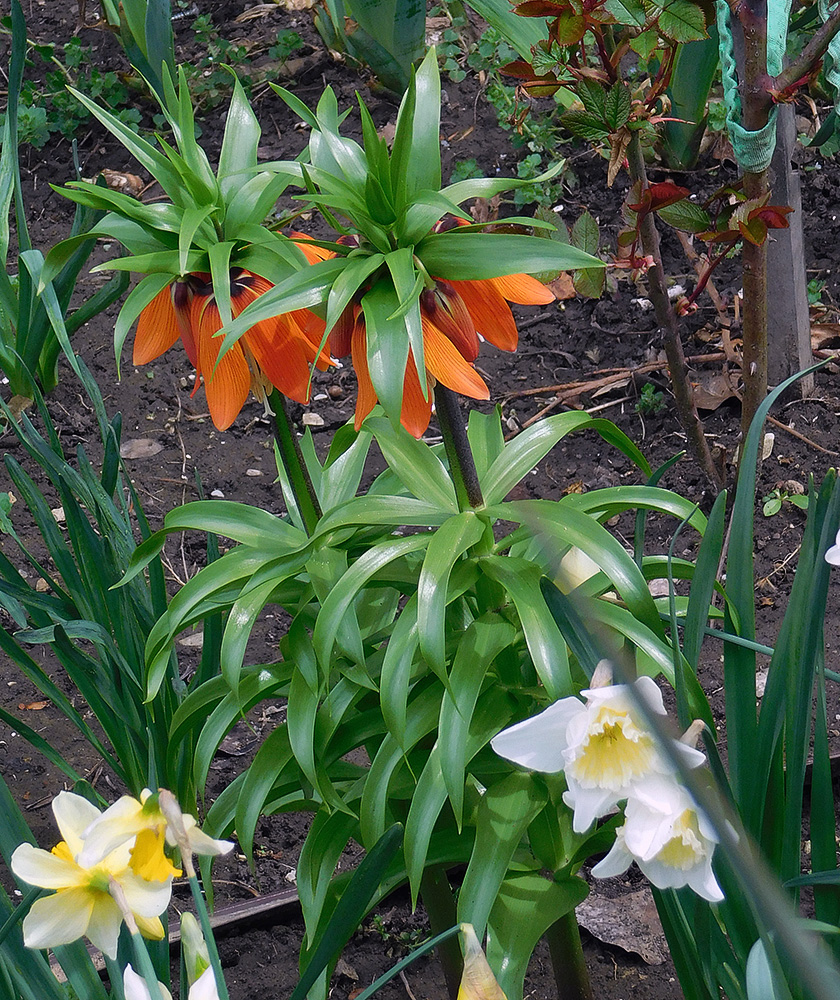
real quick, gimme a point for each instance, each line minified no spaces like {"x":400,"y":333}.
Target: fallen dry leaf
{"x":486,"y":209}
{"x":824,"y":335}
{"x":563,"y":286}
{"x":17,"y":404}
{"x":118,"y":180}
{"x":140,"y":448}
{"x":712,"y":390}
{"x":33,"y":706}
{"x":628,"y":921}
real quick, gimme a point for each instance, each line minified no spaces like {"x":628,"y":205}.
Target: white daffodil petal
{"x":146,"y":899}
{"x":617,"y":861}
{"x":135,"y":988}
{"x":104,"y":927}
{"x":58,"y":919}
{"x":118,"y":824}
{"x":539,"y":743}
{"x":833,"y":554}
{"x":204,"y":845}
{"x":588,"y":804}
{"x":74,"y":814}
{"x":204,"y":988}
{"x":45,"y":869}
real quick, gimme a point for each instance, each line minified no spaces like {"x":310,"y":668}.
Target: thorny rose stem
{"x":667,"y":320}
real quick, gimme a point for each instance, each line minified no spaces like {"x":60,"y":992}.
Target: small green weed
{"x":716,"y":117}
{"x":404,"y":941}
{"x":209,"y":84}
{"x":463,"y":170}
{"x":789,"y":492}
{"x":815,"y":290}
{"x":47,"y":109}
{"x":651,"y":401}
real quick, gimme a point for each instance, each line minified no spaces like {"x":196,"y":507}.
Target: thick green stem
{"x":567,"y":959}
{"x":458,"y":451}
{"x":292,"y":458}
{"x":667,"y":319}
{"x":439,"y":903}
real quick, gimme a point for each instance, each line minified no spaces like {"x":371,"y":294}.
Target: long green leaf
{"x":470,"y":256}
{"x":452,"y":540}
{"x":504,"y":814}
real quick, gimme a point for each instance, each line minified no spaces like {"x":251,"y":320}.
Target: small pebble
{"x":335,"y":392}
{"x":313,"y":420}
{"x":218,"y":494}
{"x":253,"y":472}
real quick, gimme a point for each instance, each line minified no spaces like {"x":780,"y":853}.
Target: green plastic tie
{"x":753,"y":150}
{"x":832,"y":60}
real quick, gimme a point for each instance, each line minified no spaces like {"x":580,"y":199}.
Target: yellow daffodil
{"x":82,"y":904}
{"x":477,"y":981}
{"x":143,"y":821}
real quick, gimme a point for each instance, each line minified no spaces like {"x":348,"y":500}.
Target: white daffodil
{"x":204,"y":988}
{"x":135,"y":987}
{"x":667,"y":837}
{"x":82,"y":904}
{"x":832,"y":555}
{"x":601,"y":745}
{"x":129,"y":818}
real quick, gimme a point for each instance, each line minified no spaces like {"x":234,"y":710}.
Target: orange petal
{"x":366,"y":399}
{"x":227,"y":387}
{"x":524,"y":290}
{"x":448,"y":311}
{"x":311,"y":328}
{"x":278,"y":349}
{"x":416,"y":410}
{"x":492,"y":315}
{"x":312,"y":253}
{"x":446,"y":364}
{"x":342,"y":333}
{"x":157,"y":328}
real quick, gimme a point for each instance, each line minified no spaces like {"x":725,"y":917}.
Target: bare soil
{"x":571,"y":341}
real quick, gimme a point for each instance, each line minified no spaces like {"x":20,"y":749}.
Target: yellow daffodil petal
{"x":478,"y":981}
{"x":150,"y":927}
{"x":148,"y":859}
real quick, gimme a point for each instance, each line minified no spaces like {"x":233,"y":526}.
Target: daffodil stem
{"x":458,"y":451}
{"x":144,"y":962}
{"x":567,"y":959}
{"x":209,"y":939}
{"x":292,"y":458}
{"x":436,"y":893}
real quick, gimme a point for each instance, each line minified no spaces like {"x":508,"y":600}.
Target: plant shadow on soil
{"x":569,"y":341}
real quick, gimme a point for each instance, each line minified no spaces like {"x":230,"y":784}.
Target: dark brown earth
{"x":559,"y":344}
